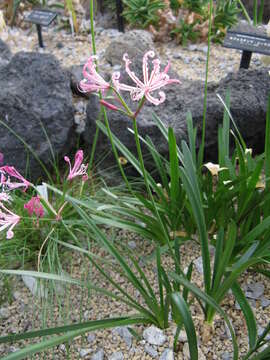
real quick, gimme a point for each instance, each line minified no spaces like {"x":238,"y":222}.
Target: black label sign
{"x":247,"y":42}
{"x":41,"y":17}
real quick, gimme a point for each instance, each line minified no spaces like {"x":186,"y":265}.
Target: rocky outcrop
{"x":135,"y":43}
{"x":249,"y":91}
{"x":35,"y":98}
{"x":5,"y":53}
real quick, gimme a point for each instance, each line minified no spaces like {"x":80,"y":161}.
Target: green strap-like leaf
{"x":248,"y":313}
{"x":181,"y":306}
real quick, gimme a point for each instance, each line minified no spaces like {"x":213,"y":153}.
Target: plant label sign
{"x":249,"y":43}
{"x":41,"y":17}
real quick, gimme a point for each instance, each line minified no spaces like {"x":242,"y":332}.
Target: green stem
{"x":244,"y":10}
{"x":94,"y":145}
{"x":260,"y":15}
{"x":139,"y":151}
{"x":201,"y":151}
{"x":115,"y":152}
{"x":255,"y":12}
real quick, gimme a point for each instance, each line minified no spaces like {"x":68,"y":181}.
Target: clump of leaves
{"x":166,"y":23}
{"x":142,"y":13}
{"x":194,"y":20}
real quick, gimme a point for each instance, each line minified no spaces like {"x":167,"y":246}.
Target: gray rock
{"x":135,"y":42}
{"x":5,"y":53}
{"x":182,"y":336}
{"x":84,"y":352}
{"x":265,"y":302}
{"x":199,"y":264}
{"x":132,"y":244}
{"x":63,"y":348}
{"x":35,"y":287}
{"x":167,"y":355}
{"x":154,"y":336}
{"x":227,"y":356}
{"x":260,"y":332}
{"x":4,"y":313}
{"x":254,"y":290}
{"x":91,"y":338}
{"x":151,"y":351}
{"x":188,"y":96}
{"x":99,"y":355}
{"x":34,"y":91}
{"x":124,"y":333}
{"x":116,"y":356}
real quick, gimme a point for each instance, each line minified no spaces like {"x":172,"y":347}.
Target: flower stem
{"x":201,"y":151}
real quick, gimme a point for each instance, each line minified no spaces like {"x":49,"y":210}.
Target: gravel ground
{"x":25,"y":312}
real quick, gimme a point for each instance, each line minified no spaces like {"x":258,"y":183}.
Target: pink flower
{"x":4,"y":197}
{"x":34,"y":206}
{"x":78,"y":168}
{"x":8,"y":220}
{"x":150,"y":83}
{"x":92,"y":80}
{"x":11,"y":171}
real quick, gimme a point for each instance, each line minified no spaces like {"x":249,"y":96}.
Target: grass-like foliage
{"x":225,"y":205}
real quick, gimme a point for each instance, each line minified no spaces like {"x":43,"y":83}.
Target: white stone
{"x":125,"y":334}
{"x":116,"y":356}
{"x":150,"y":351}
{"x":99,"y":355}
{"x":35,"y":288}
{"x":199,"y":264}
{"x":167,"y":355}
{"x":84,"y":352}
{"x":91,"y":338}
{"x":154,"y":336}
{"x":4,"y":313}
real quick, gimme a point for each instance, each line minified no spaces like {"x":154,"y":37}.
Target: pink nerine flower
{"x":11,"y":171}
{"x":78,"y":168}
{"x":8,"y":220}
{"x":92,"y":80}
{"x":34,"y":206}
{"x":150,"y":83}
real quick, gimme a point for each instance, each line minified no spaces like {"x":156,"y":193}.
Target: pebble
{"x":132,"y":245}
{"x":151,"y":351}
{"x":227,"y":356}
{"x":84,"y":352}
{"x":154,"y":336}
{"x":167,"y":355}
{"x":265,"y":302}
{"x":4,"y":313}
{"x":99,"y":355}
{"x":199,"y":264}
{"x":182,"y":336}
{"x":37,"y":289}
{"x":125,"y":334}
{"x":261,"y":330}
{"x":254,"y":290}
{"x":91,"y":338}
{"x":116,"y":356}
{"x":13,"y":349}
{"x":63,"y":348}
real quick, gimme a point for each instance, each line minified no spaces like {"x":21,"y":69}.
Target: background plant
{"x":142,"y":13}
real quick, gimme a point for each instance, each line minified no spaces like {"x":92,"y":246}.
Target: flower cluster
{"x":145,"y":88}
{"x":11,"y":179}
